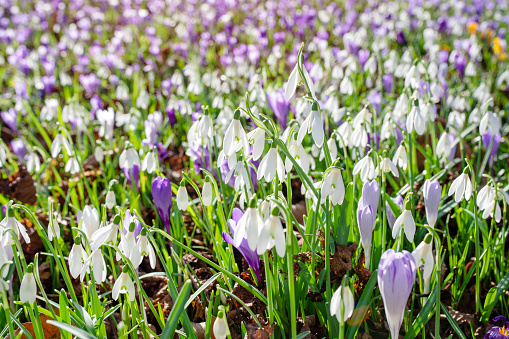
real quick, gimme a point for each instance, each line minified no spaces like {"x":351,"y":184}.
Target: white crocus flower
{"x":110,"y":200}
{"x":461,"y":186}
{"x":388,"y":166}
{"x":257,"y":138}
{"x":333,"y":186}
{"x":96,"y":260}
{"x":366,"y":168}
{"x":76,"y":258}
{"x":128,"y":158}
{"x":142,"y":249}
{"x":416,"y":120}
{"x":300,"y":155}
{"x":182,"y":197}
{"x":33,"y":162}
{"x":313,"y":124}
{"x":149,"y":163}
{"x":400,"y":157}
{"x":249,"y":226}
{"x":89,"y":221}
{"x":270,"y":165}
{"x":235,"y":138}
{"x":405,"y":220}
{"x":59,"y":142}
{"x":206,"y":193}
{"x":123,"y":285}
{"x":342,"y":304}
{"x":28,"y":287}
{"x":11,"y":223}
{"x":272,"y":234}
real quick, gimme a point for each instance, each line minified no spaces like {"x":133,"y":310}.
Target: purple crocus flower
{"x":166,"y":85}
{"x":370,"y":195}
{"x":391,"y":218}
{"x":163,"y":198}
{"x":432,"y":194}
{"x":49,"y":83}
{"x":460,"y":61}
{"x":279,"y":106}
{"x":375,"y":99}
{"x":18,"y":148}
{"x":252,"y":258}
{"x":170,"y":112}
{"x":10,"y":117}
{"x":396,"y":277}
{"x":498,"y":332}
{"x":132,"y":175}
{"x":366,"y":223}
{"x":387,"y":81}
{"x":487,"y":139}
{"x":90,"y":83}
{"x":128,"y":219}
{"x":363,"y":56}
{"x":400,"y":38}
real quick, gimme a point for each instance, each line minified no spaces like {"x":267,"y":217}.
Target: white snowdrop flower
{"x":300,"y":155}
{"x":3,"y":154}
{"x":485,"y":196}
{"x":405,"y":220}
{"x":76,"y":258}
{"x":415,"y":120}
{"x":272,"y":234}
{"x":388,"y":166}
{"x":220,"y":328}
{"x":456,"y":119}
{"x":342,"y":304}
{"x":344,"y":133}
{"x":333,"y":150}
{"x":206,"y":192}
{"x":11,"y":223}
{"x":123,"y":285}
{"x":50,"y":109}
{"x":235,"y":138}
{"x":59,"y":142}
{"x":346,"y":86}
{"x":149,"y":163}
{"x":182,"y":197}
{"x":53,"y":230}
{"x":257,"y":139}
{"x":143,"y":100}
{"x":423,"y":256}
{"x":127,"y":241}
{"x":270,"y":165}
{"x":313,"y":124}
{"x":461,"y":186}
{"x":89,"y":221}
{"x":110,"y":200}
{"x":33,"y":162}
{"x":142,"y":249}
{"x":445,"y":145}
{"x":401,"y":107}
{"x":128,"y":158}
{"x":366,"y":168}
{"x":412,"y":78}
{"x":28,"y":287}
{"x":370,"y":65}
{"x":333,"y":186}
{"x":202,"y":130}
{"x":294,"y":80}
{"x":400,"y":157}
{"x":99,"y":154}
{"x":122,"y":92}
{"x":490,"y":121}
{"x":72,"y":166}
{"x":249,"y":226}
{"x":487,"y":201}
{"x":106,"y":118}
{"x":96,"y":260}
{"x":105,"y":235}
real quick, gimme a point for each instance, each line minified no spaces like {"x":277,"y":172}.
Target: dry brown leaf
{"x":49,"y":331}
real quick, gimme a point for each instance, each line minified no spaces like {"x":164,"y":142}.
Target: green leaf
{"x":362,"y":306}
{"x":79,"y":333}
{"x":422,"y":318}
{"x":452,"y":322}
{"x":177,"y":310}
{"x":202,"y":287}
{"x":493,"y":296}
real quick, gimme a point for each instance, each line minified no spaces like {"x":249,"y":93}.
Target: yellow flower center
{"x":503,"y":330}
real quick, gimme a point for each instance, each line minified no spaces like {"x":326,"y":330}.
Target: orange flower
{"x":472,"y":27}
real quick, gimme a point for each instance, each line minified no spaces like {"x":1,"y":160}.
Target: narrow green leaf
{"x":493,"y":296}
{"x":176,"y":311}
{"x":79,"y":333}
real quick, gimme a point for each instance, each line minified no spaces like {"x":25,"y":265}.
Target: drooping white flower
{"x":89,"y":221}
{"x":76,"y":258}
{"x":235,"y":138}
{"x":123,"y":285}
{"x":270,"y":165}
{"x":220,"y":328}
{"x":128,"y":158}
{"x":333,"y":186}
{"x":53,"y":230}
{"x":105,"y":235}
{"x":202,"y":130}
{"x":388,"y":166}
{"x":346,"y":86}
{"x":300,"y":155}
{"x":149,"y":163}
{"x":206,"y":193}
{"x":28,"y":287}
{"x":72,"y":166}
{"x":423,"y":256}
{"x":366,"y":168}
{"x":293,"y":81}
{"x":333,"y":150}
{"x":405,"y":220}
{"x":143,"y":100}
{"x":257,"y":138}
{"x":11,"y":223}
{"x":96,"y":260}
{"x":33,"y":162}
{"x":313,"y":124}
{"x":249,"y":226}
{"x":400,"y":157}
{"x":99,"y":153}
{"x":461,"y":186}
{"x":490,"y":121}
{"x":107,"y":120}
{"x":342,"y":304}
{"x":127,"y":242}
{"x":271,"y":235}
{"x":416,"y":120}
{"x":110,"y":200}
{"x":142,"y":249}
{"x":182,"y":197}
{"x":59,"y":142}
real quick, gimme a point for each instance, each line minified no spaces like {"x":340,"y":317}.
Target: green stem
{"x":291,"y":282}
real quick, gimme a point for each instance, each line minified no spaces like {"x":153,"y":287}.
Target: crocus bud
{"x":110,"y":200}
{"x":432,"y":193}
{"x":220,"y":328}
{"x":396,"y":277}
{"x":366,"y":222}
{"x":207,"y":192}
{"x":163,"y":199}
{"x":182,"y":197}
{"x":28,"y":287}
